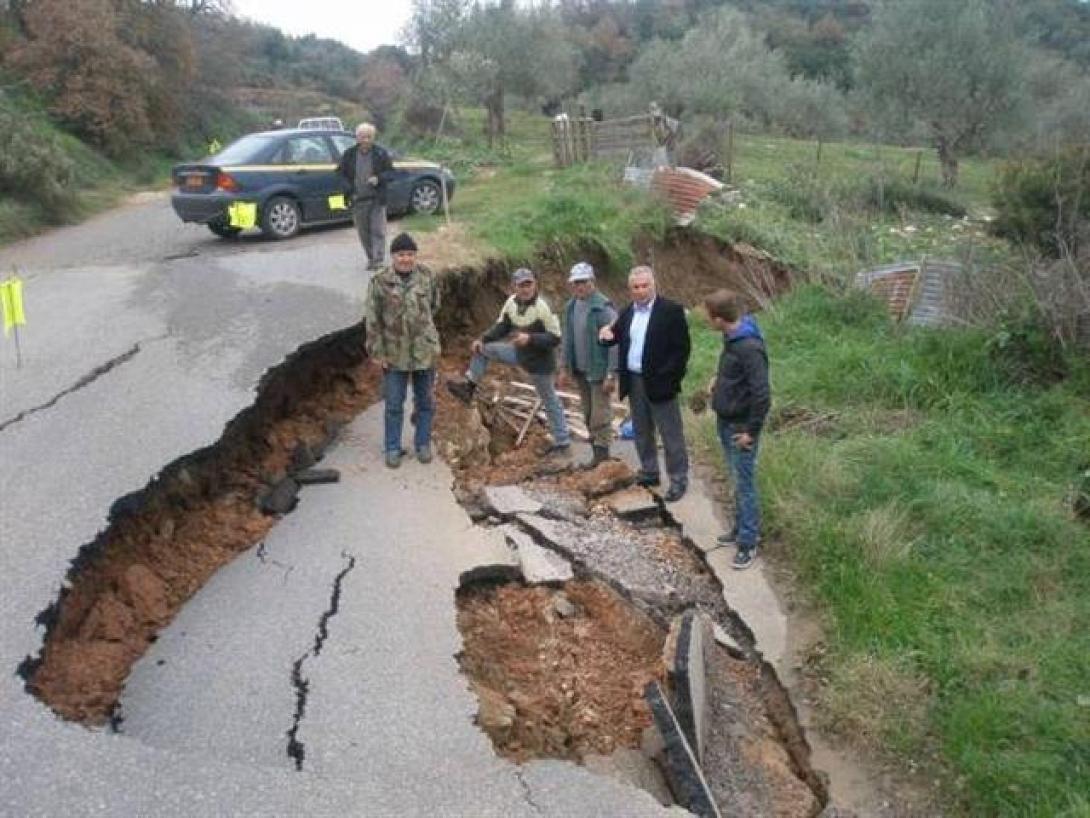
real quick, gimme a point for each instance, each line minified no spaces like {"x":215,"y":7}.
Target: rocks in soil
{"x":605,"y":478}
{"x":281,"y":498}
{"x":467,"y":444}
{"x":507,"y":501}
{"x":496,"y":713}
{"x":564,"y":607}
{"x":308,"y":477}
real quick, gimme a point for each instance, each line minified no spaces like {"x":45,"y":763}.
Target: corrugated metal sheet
{"x":913,"y":291}
{"x":684,"y":189}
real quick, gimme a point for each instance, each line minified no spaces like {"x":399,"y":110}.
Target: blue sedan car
{"x":290,"y":176}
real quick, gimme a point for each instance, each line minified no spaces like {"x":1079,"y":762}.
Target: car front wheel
{"x":426,"y":197}
{"x":282,"y":218}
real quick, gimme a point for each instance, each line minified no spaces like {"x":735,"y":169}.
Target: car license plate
{"x":194,"y":180}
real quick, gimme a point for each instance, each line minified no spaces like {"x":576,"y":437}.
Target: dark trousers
{"x":663,"y":418}
{"x":370,"y":219}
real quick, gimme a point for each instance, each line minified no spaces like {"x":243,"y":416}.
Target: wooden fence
{"x":580,"y":139}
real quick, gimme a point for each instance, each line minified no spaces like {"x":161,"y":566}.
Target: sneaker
{"x":393,"y":460}
{"x":463,"y":390}
{"x":423,"y":454}
{"x":647,"y":480}
{"x":745,"y":557}
{"x":675,"y":492}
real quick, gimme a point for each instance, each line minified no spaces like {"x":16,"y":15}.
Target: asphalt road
{"x":144,"y":338}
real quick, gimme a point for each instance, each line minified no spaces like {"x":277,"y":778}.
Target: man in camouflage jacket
{"x":401,"y":304}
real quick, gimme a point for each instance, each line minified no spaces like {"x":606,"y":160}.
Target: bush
{"x":1045,"y":203}
{"x":33,"y":165}
{"x":894,"y":195}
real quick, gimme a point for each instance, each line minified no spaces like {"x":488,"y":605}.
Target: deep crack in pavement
{"x":296,"y":749}
{"x":83,"y":382}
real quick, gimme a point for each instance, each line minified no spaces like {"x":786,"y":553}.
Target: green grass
{"x":931,"y":517}
{"x":856,"y":207}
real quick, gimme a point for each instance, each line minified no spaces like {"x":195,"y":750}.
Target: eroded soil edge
{"x":164,"y":542}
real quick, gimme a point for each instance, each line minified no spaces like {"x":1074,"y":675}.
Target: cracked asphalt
{"x":144,"y":338}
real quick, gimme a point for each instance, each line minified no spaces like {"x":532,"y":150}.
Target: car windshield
{"x":248,"y":149}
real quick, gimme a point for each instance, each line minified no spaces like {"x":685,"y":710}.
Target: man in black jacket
{"x":367,"y":168}
{"x":740,"y":398}
{"x":653,"y":336}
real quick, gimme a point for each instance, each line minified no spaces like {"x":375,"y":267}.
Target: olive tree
{"x":955,"y":67}
{"x":482,"y":53}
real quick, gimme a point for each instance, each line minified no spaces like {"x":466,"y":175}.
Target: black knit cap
{"x":403,"y":242}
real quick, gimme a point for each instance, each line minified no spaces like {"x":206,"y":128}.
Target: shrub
{"x":33,"y":165}
{"x":893,"y":195}
{"x":1045,"y":203}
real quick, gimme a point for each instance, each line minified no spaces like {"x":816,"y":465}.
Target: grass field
{"x":858,"y":206}
{"x":924,"y":499}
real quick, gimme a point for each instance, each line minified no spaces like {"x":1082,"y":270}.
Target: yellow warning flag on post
{"x":11,"y":299}
{"x":242,"y":214}
{"x":336,"y":202}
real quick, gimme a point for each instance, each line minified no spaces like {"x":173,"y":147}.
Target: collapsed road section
{"x":608,"y":642}
{"x":163,"y":542}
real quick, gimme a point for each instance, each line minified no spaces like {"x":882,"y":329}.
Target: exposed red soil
{"x":554,"y":687}
{"x":152,"y":561}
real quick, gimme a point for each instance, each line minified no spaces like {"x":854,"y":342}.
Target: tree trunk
{"x":949,"y":162}
{"x":494,"y":106}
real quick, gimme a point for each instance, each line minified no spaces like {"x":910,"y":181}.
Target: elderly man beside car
{"x":367,"y":168}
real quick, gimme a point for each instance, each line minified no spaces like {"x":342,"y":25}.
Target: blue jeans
{"x":544,"y":383}
{"x":743,"y":467}
{"x":395,"y":384}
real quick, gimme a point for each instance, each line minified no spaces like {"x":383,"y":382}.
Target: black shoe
{"x":745,"y":557}
{"x":647,"y":480}
{"x":463,"y":390}
{"x":675,"y":492}
{"x":599,"y":454}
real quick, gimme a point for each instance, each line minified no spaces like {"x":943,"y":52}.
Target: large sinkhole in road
{"x":165,"y":541}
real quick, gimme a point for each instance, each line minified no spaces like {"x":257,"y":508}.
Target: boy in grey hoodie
{"x":741,"y":398}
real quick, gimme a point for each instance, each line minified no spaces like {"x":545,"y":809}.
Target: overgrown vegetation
{"x":1044,"y":203}
{"x":932,"y":515}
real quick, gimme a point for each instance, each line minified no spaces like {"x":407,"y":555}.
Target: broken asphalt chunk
{"x":281,"y":498}
{"x":539,"y":565}
{"x":309,"y":477}
{"x":507,"y":501}
{"x":635,"y":504}
{"x":683,"y":771}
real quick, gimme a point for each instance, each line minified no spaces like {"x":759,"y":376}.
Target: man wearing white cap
{"x":526,"y":334}
{"x":591,"y":365}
